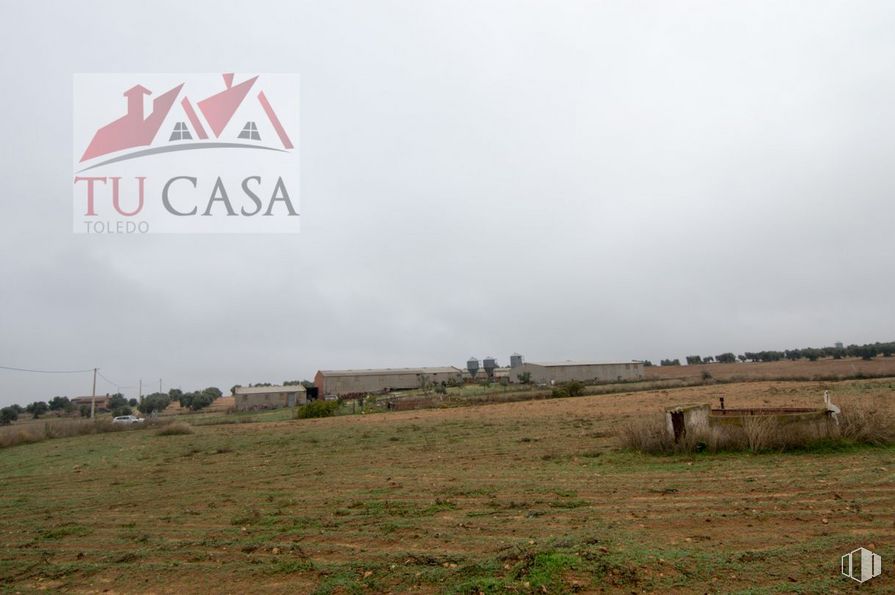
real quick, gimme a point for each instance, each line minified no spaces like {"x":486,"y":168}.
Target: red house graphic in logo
{"x":134,"y":129}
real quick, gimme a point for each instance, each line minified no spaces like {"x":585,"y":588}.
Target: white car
{"x":127,"y":419}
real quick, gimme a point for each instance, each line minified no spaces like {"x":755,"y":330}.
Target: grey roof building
{"x":587,"y":372}
{"x":249,"y":398}
{"x":358,"y":382}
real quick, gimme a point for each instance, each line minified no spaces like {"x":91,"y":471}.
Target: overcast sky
{"x":569,"y":180}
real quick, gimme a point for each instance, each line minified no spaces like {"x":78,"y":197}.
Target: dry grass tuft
{"x":177,"y":428}
{"x":868,"y":420}
{"x":60,"y":428}
{"x":647,"y":434}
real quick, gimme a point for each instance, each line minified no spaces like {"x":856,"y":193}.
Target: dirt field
{"x":519,"y":497}
{"x":824,"y":369}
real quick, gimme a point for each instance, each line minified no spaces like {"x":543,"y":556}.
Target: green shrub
{"x":317,"y":409}
{"x":568,"y":389}
{"x":154,"y":402}
{"x":201,"y":401}
{"x":8,"y":415}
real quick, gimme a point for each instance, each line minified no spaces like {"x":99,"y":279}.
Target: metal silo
{"x":489,"y":363}
{"x":515,"y":360}
{"x":472,"y":364}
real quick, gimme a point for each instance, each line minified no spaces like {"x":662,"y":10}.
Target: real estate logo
{"x":186,"y":153}
{"x":861,"y":565}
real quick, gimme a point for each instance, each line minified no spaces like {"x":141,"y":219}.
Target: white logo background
{"x":99,"y":99}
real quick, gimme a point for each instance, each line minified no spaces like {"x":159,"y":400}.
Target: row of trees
{"x":118,"y":404}
{"x":193,"y":400}
{"x":722,"y":358}
{"x":867,"y":351}
{"x":62,"y":405}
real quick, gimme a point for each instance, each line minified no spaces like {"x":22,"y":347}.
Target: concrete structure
{"x":683,"y":419}
{"x":362,"y":382}
{"x":251,"y":398}
{"x":587,"y":372}
{"x":700,"y":420}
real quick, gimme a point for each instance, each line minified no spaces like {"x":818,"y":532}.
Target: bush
{"x":867,"y":421}
{"x":37,"y":409}
{"x":648,"y":434}
{"x":123,"y":410}
{"x":117,"y":401}
{"x":177,"y":428}
{"x":195,"y":401}
{"x":201,"y":401}
{"x":568,"y":389}
{"x":317,"y":409}
{"x":8,"y":415}
{"x":154,"y":402}
{"x":60,"y":404}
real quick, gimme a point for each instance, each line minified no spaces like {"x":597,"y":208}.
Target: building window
{"x":181,"y":132}
{"x":250,"y":131}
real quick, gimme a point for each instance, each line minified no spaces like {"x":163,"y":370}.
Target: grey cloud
{"x":568,"y":180}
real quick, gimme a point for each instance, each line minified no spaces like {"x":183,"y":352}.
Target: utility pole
{"x":93,"y":398}
{"x":160,"y":385}
{"x":141,"y":390}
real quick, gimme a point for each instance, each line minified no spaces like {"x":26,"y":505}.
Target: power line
{"x":96,"y":370}
{"x":106,"y":379}
{"x":45,"y":371}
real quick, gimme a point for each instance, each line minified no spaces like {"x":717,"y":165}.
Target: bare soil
{"x":518,"y":497}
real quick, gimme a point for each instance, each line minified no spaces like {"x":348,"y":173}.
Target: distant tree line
{"x":61,"y":405}
{"x":117,"y":404}
{"x":868,"y":351}
{"x":192,"y":400}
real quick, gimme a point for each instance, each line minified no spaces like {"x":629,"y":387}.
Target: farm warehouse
{"x":349,"y":382}
{"x":542,"y":373}
{"x":269,"y":397}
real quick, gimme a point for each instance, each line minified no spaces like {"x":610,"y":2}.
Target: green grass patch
{"x":66,"y":530}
